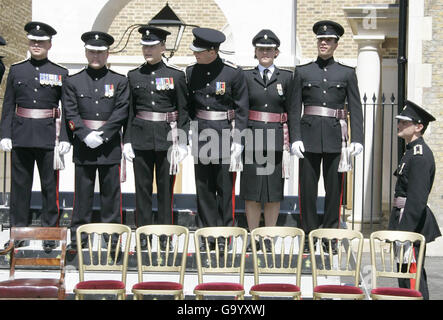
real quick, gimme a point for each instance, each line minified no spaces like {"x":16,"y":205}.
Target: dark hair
{"x":425,"y":126}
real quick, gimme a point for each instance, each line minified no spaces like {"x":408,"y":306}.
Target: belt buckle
{"x":55,"y":113}
{"x":283,"y":117}
{"x":340,"y":114}
{"x":171,"y":117}
{"x":231,"y":114}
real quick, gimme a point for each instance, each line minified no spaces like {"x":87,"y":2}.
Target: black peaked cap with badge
{"x":206,"y":39}
{"x":328,"y":29}
{"x":97,"y":40}
{"x":152,"y":35}
{"x":413,"y":112}
{"x":39,"y":31}
{"x":266,"y":38}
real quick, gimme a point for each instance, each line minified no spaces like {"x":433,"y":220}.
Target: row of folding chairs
{"x":276,"y":251}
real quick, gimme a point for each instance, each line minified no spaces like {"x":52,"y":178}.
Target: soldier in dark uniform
{"x":96,"y":104}
{"x":415,"y":176}
{"x":30,"y":130}
{"x":158,"y":108}
{"x":269,"y":88}
{"x":2,"y":65}
{"x":322,"y":87}
{"x":218,"y":101}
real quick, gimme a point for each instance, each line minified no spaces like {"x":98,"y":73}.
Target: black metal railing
{"x":384,"y":140}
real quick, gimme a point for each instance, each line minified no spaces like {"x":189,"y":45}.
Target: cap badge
{"x":97,"y":37}
{"x":147,"y":32}
{"x":266,"y":37}
{"x":325,"y":27}
{"x":37,"y":27}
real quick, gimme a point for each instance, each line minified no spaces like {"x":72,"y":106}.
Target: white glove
{"x":297,"y":149}
{"x":64,"y":147}
{"x":94,"y":139}
{"x":6,"y":144}
{"x":128,"y":152}
{"x":355,"y":148}
{"x":236,"y":150}
{"x":183,"y":152}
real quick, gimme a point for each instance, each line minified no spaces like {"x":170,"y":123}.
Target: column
{"x":367,"y":166}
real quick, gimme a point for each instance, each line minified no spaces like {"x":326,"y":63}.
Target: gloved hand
{"x":355,"y":148}
{"x":64,"y":147}
{"x":94,"y":139}
{"x":6,"y":144}
{"x":297,"y":149}
{"x":128,"y":152}
{"x":183,"y":152}
{"x":236,"y":150}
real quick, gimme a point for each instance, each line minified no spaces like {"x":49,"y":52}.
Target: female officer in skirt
{"x":266,"y":162}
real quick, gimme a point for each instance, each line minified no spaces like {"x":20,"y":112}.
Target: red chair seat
{"x":401,"y":292}
{"x":337,"y":289}
{"x":30,"y":288}
{"x":100,"y":285}
{"x":158,"y":285}
{"x":219,"y":286}
{"x":275,"y":287}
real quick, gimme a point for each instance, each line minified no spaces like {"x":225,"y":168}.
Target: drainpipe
{"x":402,"y":63}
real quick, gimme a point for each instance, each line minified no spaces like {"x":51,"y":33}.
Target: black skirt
{"x":260,"y":184}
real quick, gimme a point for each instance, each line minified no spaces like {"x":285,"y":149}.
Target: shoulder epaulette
{"x":19,"y":62}
{"x":115,"y":72}
{"x":58,"y":65}
{"x":229,"y":63}
{"x":173,"y":66}
{"x":135,"y":69}
{"x":304,"y":64}
{"x":418,"y":150}
{"x":344,"y":64}
{"x":78,"y":72}
{"x":286,"y":69}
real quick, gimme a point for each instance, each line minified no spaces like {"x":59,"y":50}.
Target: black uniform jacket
{"x":415,"y":176}
{"x":156,"y":88}
{"x":34,"y":84}
{"x":326,"y":83}
{"x":218,"y":86}
{"x":101,"y":95}
{"x":2,"y":69}
{"x":273,"y":97}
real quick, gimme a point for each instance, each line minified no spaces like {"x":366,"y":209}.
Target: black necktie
{"x":265,"y":75}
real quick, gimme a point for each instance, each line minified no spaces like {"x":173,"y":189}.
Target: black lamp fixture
{"x":166,"y":19}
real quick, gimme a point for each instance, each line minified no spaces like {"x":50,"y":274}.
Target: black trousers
{"x":22,"y":173}
{"x":215,"y":187}
{"x":145,"y":162}
{"x":110,"y":195}
{"x":309,"y":175}
{"x":423,"y":286}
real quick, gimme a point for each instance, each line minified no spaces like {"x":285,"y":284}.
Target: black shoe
{"x":325,"y":245}
{"x":163,"y":243}
{"x":72,"y":247}
{"x":143,"y":243}
{"x":268,"y":245}
{"x":306,"y":249}
{"x":17,"y":244}
{"x":210,"y":244}
{"x":49,"y":245}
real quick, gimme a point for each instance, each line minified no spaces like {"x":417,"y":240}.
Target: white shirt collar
{"x":270,"y":68}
